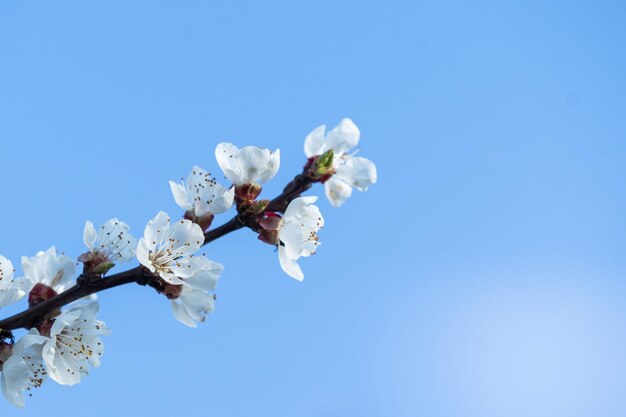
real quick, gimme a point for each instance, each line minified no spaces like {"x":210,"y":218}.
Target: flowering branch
{"x":87,"y":285}
{"x":64,"y":344}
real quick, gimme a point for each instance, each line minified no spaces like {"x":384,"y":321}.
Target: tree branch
{"x":87,"y":285}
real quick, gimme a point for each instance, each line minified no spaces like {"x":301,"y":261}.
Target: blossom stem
{"x":84,"y":287}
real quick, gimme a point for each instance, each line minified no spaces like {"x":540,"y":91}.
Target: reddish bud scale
{"x":5,"y":352}
{"x":269,"y":224}
{"x":95,"y":263}
{"x":245,"y":195}
{"x":319,"y":167}
{"x":309,"y":163}
{"x":39,"y":294}
{"x":203,"y":221}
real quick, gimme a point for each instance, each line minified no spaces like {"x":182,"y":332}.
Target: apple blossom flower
{"x":295,"y":233}
{"x":47,"y":274}
{"x":202,"y":196}
{"x":195,"y":300}
{"x":24,"y":369}
{"x":109,"y":245}
{"x":248,"y":165}
{"x":74,"y":343}
{"x":347,"y":170}
{"x":167,"y":249}
{"x":11,"y":289}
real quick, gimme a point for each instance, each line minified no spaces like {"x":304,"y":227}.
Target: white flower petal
{"x":48,"y":268}
{"x":297,"y":206}
{"x":289,"y":265}
{"x":337,"y":191}
{"x":223,"y":201}
{"x":270,"y":167}
{"x":358,"y":172}
{"x":227,"y":158}
{"x":314,"y":143}
{"x":182,"y":198}
{"x":343,"y":137}
{"x":89,"y":235}
{"x":154,"y":231}
{"x":15,"y":379}
{"x":181,"y":314}
{"x":143,"y":255}
{"x":291,"y":236}
{"x":187,"y":237}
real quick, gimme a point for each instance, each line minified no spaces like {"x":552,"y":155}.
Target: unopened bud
{"x":254,"y":209}
{"x":39,"y":294}
{"x":320,"y":167}
{"x":245,"y":194}
{"x":269,"y":224}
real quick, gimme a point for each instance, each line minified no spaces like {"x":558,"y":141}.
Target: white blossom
{"x":11,"y":289}
{"x":74,"y":343}
{"x":49,"y":268}
{"x":350,"y":171}
{"x":111,"y":241}
{"x":24,"y":369}
{"x":202,"y":194}
{"x":297,"y":234}
{"x":248,"y":165}
{"x":196,"y":299}
{"x":167,"y":249}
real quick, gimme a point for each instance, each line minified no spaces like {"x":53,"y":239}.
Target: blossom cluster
{"x":64,"y":345}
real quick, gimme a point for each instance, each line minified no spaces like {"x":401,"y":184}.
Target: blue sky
{"x":482,"y":276}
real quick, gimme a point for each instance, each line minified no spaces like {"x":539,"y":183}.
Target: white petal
{"x":291,"y":236}
{"x":173,"y":276}
{"x":252,"y":161}
{"x":337,"y":191}
{"x":312,"y":218}
{"x":314,"y":143}
{"x":143,"y":255}
{"x":271,"y":167}
{"x":198,"y":303}
{"x":65,"y":372}
{"x":15,"y":379}
{"x":181,"y":196}
{"x":188,"y":235}
{"x":89,"y":235}
{"x":11,"y":295}
{"x":343,"y":137}
{"x":181,"y":314}
{"x":206,"y":273}
{"x":155,"y":229}
{"x":223,"y":200}
{"x":227,"y":158}
{"x":289,"y":265}
{"x":358,"y":172}
{"x":297,"y":206}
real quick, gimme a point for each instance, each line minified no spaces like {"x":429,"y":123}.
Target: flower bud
{"x":269,"y":224}
{"x":245,"y":195}
{"x":39,"y":294}
{"x":320,"y":167}
{"x":6,"y":349}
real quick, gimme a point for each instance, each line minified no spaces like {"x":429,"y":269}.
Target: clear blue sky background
{"x":484,"y":275}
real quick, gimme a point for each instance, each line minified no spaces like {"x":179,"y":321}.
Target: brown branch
{"x":86,"y":285}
